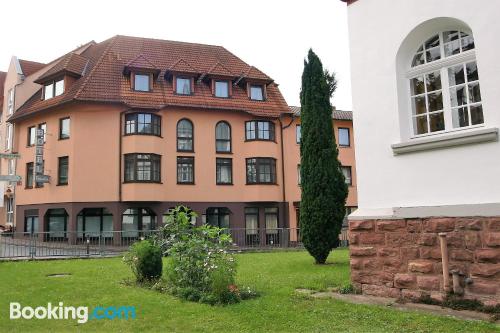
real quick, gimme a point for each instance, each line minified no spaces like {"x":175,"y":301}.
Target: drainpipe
{"x":444,"y":260}
{"x":283,"y":163}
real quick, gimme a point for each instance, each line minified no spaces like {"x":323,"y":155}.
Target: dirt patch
{"x":55,"y":275}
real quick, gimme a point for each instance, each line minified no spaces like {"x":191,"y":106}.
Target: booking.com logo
{"x":80,"y":313}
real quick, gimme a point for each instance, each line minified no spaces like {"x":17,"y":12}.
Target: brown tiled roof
{"x":140,"y":62}
{"x":3,"y":75}
{"x":104,"y":81}
{"x":218,"y":69}
{"x":30,"y":67}
{"x":336,"y":114}
{"x":71,"y":64}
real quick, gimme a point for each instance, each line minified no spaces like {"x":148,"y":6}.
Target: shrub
{"x":145,"y":260}
{"x":201,"y":262}
{"x":347,"y":289}
{"x":176,"y":225}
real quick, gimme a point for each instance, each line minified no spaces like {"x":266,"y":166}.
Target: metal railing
{"x":112,"y":243}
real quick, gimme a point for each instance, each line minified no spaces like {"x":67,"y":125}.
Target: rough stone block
{"x":461,"y":255}
{"x":427,"y":239}
{"x":366,"y":277}
{"x":381,"y":291}
{"x":421,"y":266}
{"x":391,"y":225}
{"x":404,"y":280}
{"x":412,"y":295}
{"x":439,"y":224}
{"x":409,"y":253}
{"x":414,"y":225}
{"x":488,"y":255}
{"x":469,"y":224}
{"x":362,"y":251}
{"x":388,"y":252}
{"x":472,"y":240}
{"x":365,"y":264}
{"x":455,"y":239}
{"x":485,"y":270}
{"x":493,"y":239}
{"x":437,"y":296}
{"x":353,"y":238}
{"x":430,"y":253}
{"x":371,"y":238}
{"x":494,"y":223}
{"x":362,"y":225}
{"x":483,"y":287}
{"x":400,"y":238}
{"x":428,"y":282}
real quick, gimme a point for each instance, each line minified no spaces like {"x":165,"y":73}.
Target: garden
{"x":187,"y":280}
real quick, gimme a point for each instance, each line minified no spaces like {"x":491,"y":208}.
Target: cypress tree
{"x":324,"y":191}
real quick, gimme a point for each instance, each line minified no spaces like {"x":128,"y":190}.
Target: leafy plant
{"x":145,"y":260}
{"x":347,"y":289}
{"x":177,"y":223}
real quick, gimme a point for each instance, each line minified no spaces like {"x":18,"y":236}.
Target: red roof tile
{"x":104,"y":81}
{"x":72,"y":64}
{"x":30,"y":67}
{"x":141,"y":62}
{"x":219,"y":70}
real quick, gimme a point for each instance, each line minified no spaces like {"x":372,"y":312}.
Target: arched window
{"x":94,"y":222}
{"x":137,"y":222}
{"x":444,"y":84}
{"x":222,"y":137}
{"x":185,"y":135}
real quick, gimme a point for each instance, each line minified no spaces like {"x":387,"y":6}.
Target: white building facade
{"x":426,"y":90}
{"x":438,"y":155}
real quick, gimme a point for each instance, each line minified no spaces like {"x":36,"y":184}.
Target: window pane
{"x":185,"y":171}
{"x":435,"y":101}
{"x":346,"y":171}
{"x":476,"y":114}
{"x":185,"y":135}
{"x":458,"y":96}
{"x":471,"y":68}
{"x":456,"y":75}
{"x":344,"y":137}
{"x":420,"y":125}
{"x":436,"y":121}
{"x":419,"y":105}
{"x":433,"y":81}
{"x":432,"y":42}
{"x":224,"y":171}
{"x":256,"y":93}
{"x":417,"y":86}
{"x":474,"y":93}
{"x":250,"y":130}
{"x":59,"y":87}
{"x":32,"y":136}
{"x":460,"y":117}
{"x":48,"y":91}
{"x":298,"y":133}
{"x":222,"y":131}
{"x":64,"y":134}
{"x":418,"y":59}
{"x":449,"y":36}
{"x":433,"y":54}
{"x":221,"y":89}
{"x":183,"y":86}
{"x":467,"y":42}
{"x":141,"y":82}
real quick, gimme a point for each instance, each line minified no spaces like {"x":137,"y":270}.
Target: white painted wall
{"x":461,"y":175}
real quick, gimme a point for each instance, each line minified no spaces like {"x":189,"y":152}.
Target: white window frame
{"x":442,"y":66}
{"x":8,"y":137}
{"x":10,"y":101}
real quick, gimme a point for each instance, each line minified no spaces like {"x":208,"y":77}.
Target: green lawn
{"x":275,"y":275}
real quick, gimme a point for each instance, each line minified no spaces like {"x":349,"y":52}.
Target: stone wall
{"x":402,"y":257}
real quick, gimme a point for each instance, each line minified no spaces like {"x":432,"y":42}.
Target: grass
{"x":275,"y":275}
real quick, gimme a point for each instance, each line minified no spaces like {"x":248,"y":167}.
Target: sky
{"x":273,"y":36}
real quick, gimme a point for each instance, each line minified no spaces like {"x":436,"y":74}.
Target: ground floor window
{"x":252,"y":226}
{"x":218,"y":217}
{"x":57,"y":223}
{"x":9,"y":205}
{"x":272,"y":232}
{"x":31,"y":224}
{"x":94,"y":222}
{"x":135,"y":221}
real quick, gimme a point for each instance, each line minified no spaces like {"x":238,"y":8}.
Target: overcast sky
{"x":273,"y":36}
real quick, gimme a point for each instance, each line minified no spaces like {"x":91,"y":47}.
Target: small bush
{"x":145,"y":260}
{"x":177,"y":224}
{"x":347,"y":289}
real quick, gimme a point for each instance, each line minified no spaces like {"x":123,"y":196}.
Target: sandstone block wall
{"x":402,"y":257}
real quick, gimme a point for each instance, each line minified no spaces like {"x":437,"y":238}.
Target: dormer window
{"x":53,"y":89}
{"x":222,"y":89}
{"x":257,"y":92}
{"x":142,"y":82}
{"x":183,"y":86}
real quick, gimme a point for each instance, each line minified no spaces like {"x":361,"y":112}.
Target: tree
{"x":324,"y":191}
